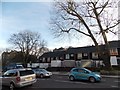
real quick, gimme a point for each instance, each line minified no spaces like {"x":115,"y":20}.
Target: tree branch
{"x":103,"y":7}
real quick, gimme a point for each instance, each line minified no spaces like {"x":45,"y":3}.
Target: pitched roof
{"x":53,"y":54}
{"x":75,"y":50}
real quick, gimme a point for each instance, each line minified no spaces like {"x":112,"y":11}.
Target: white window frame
{"x":95,"y":55}
{"x":79,"y":56}
{"x":113,"y":51}
{"x":43,"y":60}
{"x":48,"y":59}
{"x":67,"y":56}
{"x":85,"y":54}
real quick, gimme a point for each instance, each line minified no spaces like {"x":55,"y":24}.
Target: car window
{"x":11,"y":73}
{"x":26,"y":72}
{"x":88,"y":71}
{"x":19,"y":66}
{"x":44,"y":70}
{"x":36,"y":70}
{"x":41,"y":70}
{"x":81,"y":70}
{"x":75,"y":70}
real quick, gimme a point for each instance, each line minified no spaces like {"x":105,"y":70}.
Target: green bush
{"x":112,"y":72}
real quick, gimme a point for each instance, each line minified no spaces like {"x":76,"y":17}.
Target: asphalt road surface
{"x":57,"y":81}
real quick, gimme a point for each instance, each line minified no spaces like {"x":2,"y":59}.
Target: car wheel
{"x":92,"y":79}
{"x":71,"y":78}
{"x":12,"y":86}
{"x":41,"y":76}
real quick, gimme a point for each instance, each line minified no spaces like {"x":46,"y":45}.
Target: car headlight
{"x":97,"y":75}
{"x":47,"y":74}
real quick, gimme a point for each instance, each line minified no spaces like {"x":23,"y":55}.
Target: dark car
{"x":84,"y":74}
{"x":42,"y":73}
{"x":12,"y":66}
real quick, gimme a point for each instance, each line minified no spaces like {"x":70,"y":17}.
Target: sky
{"x":34,"y":15}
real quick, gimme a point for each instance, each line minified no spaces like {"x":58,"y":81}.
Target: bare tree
{"x":29,"y":43}
{"x":89,"y":18}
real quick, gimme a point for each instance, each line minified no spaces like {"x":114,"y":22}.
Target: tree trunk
{"x":106,"y":56}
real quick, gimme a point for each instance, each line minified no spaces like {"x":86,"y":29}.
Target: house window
{"x":79,"y":56}
{"x":95,"y":55}
{"x":57,"y":58}
{"x":51,"y":58}
{"x":61,"y":58}
{"x":72,"y":56}
{"x":85,"y":54}
{"x":67,"y":56}
{"x":43,"y":60}
{"x":113,"y":51}
{"x":48,"y":60}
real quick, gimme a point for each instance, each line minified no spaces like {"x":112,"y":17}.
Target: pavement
{"x":104,"y":76}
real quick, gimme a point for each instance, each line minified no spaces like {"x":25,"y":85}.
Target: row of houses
{"x":80,"y":56}
{"x":68,"y":57}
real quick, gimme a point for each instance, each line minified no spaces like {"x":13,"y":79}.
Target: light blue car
{"x":84,"y":74}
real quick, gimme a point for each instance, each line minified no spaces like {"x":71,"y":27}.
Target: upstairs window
{"x":48,"y":59}
{"x":85,"y":54}
{"x":51,"y":58}
{"x":113,"y":51}
{"x":72,"y":56}
{"x":67,"y":56}
{"x":43,"y":60}
{"x":79,"y":56}
{"x":95,"y":55}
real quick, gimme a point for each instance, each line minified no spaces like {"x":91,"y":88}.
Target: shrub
{"x":112,"y":72}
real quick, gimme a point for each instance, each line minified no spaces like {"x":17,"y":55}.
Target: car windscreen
{"x":26,"y":72}
{"x":43,"y":70}
{"x":88,"y":70}
{"x":19,"y":67}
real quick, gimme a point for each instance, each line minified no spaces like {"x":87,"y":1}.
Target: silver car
{"x":18,"y":78}
{"x":42,"y":73}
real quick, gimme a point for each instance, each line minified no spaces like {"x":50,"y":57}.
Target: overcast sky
{"x":35,"y":16}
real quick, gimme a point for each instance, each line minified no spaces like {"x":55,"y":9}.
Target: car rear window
{"x":26,"y":72}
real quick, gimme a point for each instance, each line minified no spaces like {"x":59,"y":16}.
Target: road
{"x":57,"y":81}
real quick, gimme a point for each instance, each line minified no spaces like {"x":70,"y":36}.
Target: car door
{"x":5,"y":78}
{"x":75,"y":73}
{"x":8,"y":77}
{"x":36,"y":72}
{"x":82,"y":74}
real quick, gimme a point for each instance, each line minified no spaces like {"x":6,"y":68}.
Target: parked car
{"x":18,"y":78}
{"x":12,"y":66}
{"x":83,"y":74}
{"x":42,"y":73}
